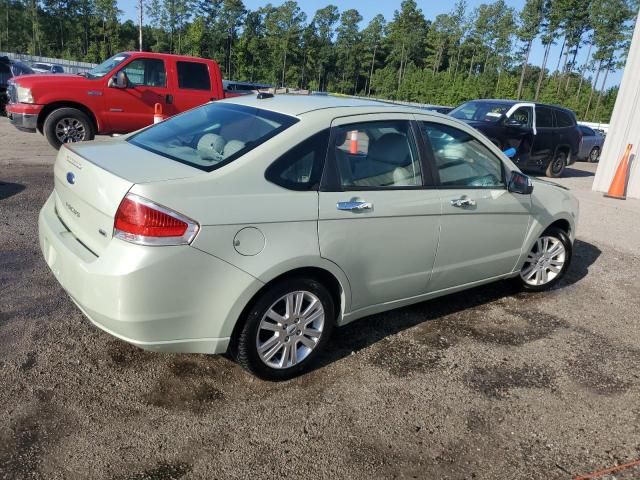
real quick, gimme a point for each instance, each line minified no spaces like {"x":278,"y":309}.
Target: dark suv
{"x":9,"y":69}
{"x":546,"y":137}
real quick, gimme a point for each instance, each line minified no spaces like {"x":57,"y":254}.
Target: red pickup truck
{"x":117,"y":96}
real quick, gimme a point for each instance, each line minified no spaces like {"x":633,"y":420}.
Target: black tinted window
{"x":301,"y":167}
{"x":544,"y":117}
{"x":586,"y":131}
{"x":194,"y":76}
{"x":563,"y":119}
{"x":146,"y":71}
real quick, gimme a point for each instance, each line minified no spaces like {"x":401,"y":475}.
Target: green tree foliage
{"x":457,"y":56}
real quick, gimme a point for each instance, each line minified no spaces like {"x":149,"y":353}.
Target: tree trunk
{"x":564,"y":69}
{"x":564,"y":41}
{"x":140,"y":6}
{"x":542,"y":69}
{"x":455,"y":71}
{"x":595,"y":83}
{"x":400,"y":69}
{"x":583,"y":70}
{"x":284,"y":67}
{"x":471,"y":64}
{"x":373,"y":60}
{"x":524,"y":70}
{"x":604,"y":83}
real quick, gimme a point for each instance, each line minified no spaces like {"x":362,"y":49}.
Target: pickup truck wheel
{"x":556,"y":166}
{"x":67,"y":125}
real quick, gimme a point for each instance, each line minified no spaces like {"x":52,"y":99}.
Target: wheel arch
{"x":338,"y":288}
{"x":46,"y":111}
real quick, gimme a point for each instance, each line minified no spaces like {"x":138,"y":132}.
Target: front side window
{"x":301,"y":167}
{"x":461,"y":160}
{"x":376,"y":155}
{"x":148,"y":72}
{"x":106,"y":66}
{"x":524,"y":116}
{"x":213,"y":135}
{"x":193,"y":76}
{"x":544,"y":117}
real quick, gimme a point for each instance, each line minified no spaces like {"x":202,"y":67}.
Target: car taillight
{"x":143,"y":222}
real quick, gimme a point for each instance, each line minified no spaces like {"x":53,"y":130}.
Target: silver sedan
{"x":590,"y":145}
{"x":256,"y":225}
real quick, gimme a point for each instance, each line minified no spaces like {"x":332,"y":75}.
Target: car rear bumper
{"x":169,"y":299}
{"x":24,"y":116}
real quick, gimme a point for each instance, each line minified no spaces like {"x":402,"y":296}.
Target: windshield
{"x":481,"y":111}
{"x":212,"y":135}
{"x":106,"y":66}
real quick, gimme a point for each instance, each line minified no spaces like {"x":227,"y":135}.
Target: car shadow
{"x":568,"y":173}
{"x":10,"y":189}
{"x":365,"y":332}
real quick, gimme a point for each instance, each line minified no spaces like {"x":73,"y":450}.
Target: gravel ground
{"x":490,"y":383}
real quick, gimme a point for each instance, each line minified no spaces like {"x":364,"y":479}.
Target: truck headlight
{"x":24,"y":94}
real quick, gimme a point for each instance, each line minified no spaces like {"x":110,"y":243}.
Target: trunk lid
{"x":92,"y":179}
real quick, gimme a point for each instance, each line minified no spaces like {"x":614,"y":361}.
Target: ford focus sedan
{"x":254,"y":226}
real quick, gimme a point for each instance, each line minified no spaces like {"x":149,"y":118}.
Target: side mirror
{"x":520,"y":183}
{"x":119,"y":80}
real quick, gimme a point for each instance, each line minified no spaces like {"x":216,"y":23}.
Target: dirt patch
{"x":497,"y":382}
{"x":162,"y":471}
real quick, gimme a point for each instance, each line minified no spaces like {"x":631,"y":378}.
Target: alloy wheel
{"x":545,"y":261}
{"x":594,"y":155}
{"x":290,"y":329}
{"x":558,"y":164}
{"x":70,"y":130}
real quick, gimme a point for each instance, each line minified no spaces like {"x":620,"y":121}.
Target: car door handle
{"x":463,"y":202}
{"x":354,"y":206}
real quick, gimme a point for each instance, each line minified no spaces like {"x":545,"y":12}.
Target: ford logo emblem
{"x":71,"y":178}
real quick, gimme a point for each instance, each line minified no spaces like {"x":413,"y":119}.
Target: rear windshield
{"x":213,"y":135}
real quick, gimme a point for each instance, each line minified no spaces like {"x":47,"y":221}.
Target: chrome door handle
{"x":463,"y":202}
{"x":354,"y":206}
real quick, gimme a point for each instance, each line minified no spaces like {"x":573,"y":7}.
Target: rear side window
{"x":193,"y":76}
{"x":564,"y":119}
{"x":148,"y":72}
{"x":544,"y":117}
{"x":301,"y":167}
{"x":376,"y":155}
{"x":213,"y":135}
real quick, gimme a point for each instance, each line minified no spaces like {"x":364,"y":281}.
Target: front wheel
{"x":547,"y":262}
{"x":557,"y":165}
{"x":67,"y":125}
{"x":285,"y":329}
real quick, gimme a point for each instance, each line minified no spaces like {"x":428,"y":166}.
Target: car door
{"x":482,"y":225}
{"x":377,"y":221}
{"x":520,"y":130}
{"x":544,"y":142}
{"x":132,"y":108}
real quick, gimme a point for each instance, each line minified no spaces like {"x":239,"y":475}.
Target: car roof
{"x":503,"y":101}
{"x":296,"y":105}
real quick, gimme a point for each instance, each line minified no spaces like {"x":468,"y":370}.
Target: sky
{"x":370,"y":8}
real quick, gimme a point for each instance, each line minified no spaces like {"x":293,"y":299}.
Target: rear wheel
{"x":67,"y":125}
{"x":547,"y":262}
{"x":594,"y":155}
{"x":285,"y":329}
{"x":556,"y":167}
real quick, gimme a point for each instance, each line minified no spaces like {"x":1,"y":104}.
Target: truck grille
{"x":12,"y":94}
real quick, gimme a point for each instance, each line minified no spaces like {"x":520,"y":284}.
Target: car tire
{"x":594,"y":155}
{"x":547,"y":261}
{"x":556,"y":167}
{"x":271,"y":333}
{"x":67,"y":125}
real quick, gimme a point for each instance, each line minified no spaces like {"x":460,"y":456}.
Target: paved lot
{"x":489,"y":383}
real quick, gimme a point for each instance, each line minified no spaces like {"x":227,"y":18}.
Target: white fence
{"x":69,"y":66}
